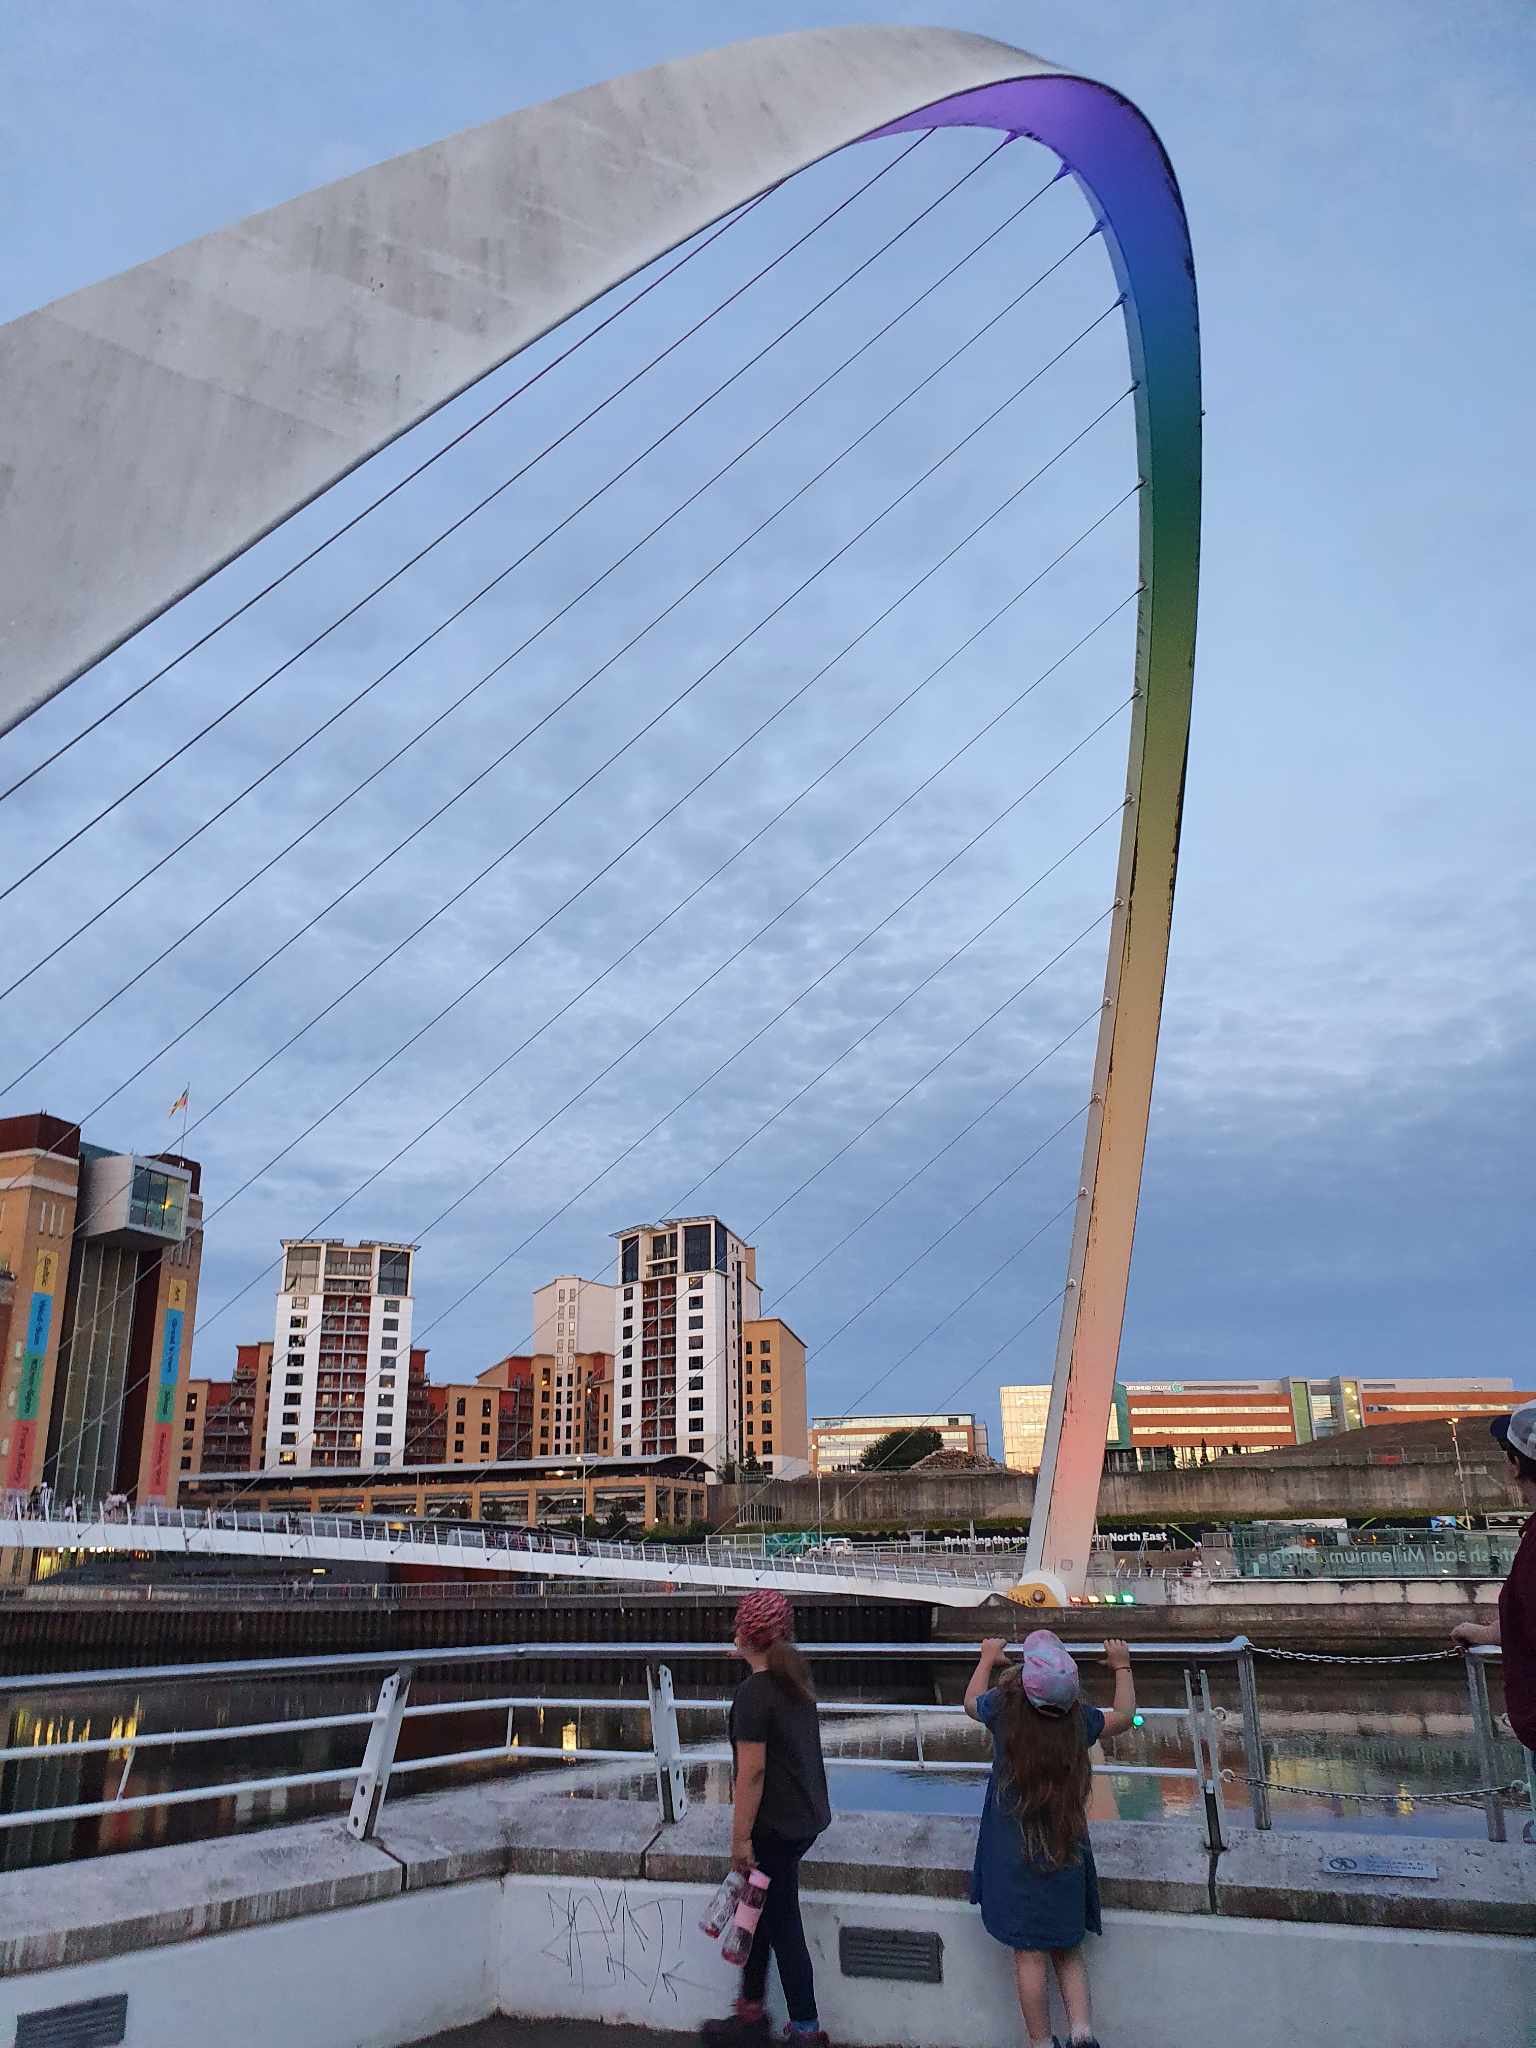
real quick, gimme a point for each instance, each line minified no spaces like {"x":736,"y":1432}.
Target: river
{"x":1330,"y":1733}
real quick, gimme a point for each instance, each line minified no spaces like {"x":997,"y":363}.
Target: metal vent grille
{"x":94,"y":2023}
{"x":891,"y":1953}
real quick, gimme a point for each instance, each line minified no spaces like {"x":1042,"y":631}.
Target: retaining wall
{"x":475,"y":1901}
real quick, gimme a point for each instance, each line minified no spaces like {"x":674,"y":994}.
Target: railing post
{"x":379,"y":1757}
{"x":671,"y":1788}
{"x":1205,"y":1765}
{"x":1483,"y":1741}
{"x":1253,"y":1737}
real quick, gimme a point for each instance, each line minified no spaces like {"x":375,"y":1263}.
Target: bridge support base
{"x":1041,"y":1589}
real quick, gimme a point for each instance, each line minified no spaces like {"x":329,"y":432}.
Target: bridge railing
{"x":423,"y":1533}
{"x":1203,"y":1724}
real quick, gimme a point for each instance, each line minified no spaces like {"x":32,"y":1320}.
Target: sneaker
{"x":737,"y":2028}
{"x":816,"y":2040}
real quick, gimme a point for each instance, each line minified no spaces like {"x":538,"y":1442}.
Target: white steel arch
{"x":158,"y":423}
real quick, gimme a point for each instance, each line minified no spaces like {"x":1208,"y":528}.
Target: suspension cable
{"x":1104,"y":621}
{"x":303,"y":561}
{"x":676,"y":805}
{"x":440,"y":718}
{"x":462,"y":520}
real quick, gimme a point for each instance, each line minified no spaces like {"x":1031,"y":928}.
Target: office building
{"x":773,"y":1419}
{"x":202,"y":1402}
{"x":1186,"y":1422}
{"x":572,"y":1319}
{"x":105,"y":1248}
{"x":686,"y":1289}
{"x":838,"y":1442}
{"x":343,"y":1372}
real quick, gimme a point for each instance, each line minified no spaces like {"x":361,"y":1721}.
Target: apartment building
{"x":774,"y":1430}
{"x":1183,"y":1422}
{"x":686,"y":1289}
{"x":513,"y":1376}
{"x":104,"y":1247}
{"x":838,"y":1442}
{"x":343,"y":1369}
{"x":573,"y":1319}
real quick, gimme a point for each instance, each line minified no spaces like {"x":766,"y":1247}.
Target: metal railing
{"x":666,"y":1756}
{"x":435,"y":1537}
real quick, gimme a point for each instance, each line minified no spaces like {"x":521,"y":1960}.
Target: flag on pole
{"x":180,"y":1103}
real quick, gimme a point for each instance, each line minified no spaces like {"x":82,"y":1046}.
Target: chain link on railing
{"x":1338,"y":1657}
{"x":1471,"y":1795}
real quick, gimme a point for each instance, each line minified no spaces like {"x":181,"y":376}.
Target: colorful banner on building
{"x":34,"y":1369}
{"x":165,"y":1390}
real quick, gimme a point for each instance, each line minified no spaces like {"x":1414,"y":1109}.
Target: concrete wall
{"x":489,"y":1899}
{"x":1215,"y":1493}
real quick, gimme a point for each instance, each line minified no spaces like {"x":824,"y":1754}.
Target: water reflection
{"x":1328,"y":1735}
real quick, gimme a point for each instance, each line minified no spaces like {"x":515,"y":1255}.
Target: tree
{"x":899,"y":1450}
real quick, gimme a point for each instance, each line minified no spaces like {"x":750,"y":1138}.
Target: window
{"x":629,"y":1295}
{"x":391,"y":1308}
{"x":767,"y":1407}
{"x":381,"y":1436}
{"x":389,"y":1343}
{"x":186,"y":1464}
{"x":696,"y":1407}
{"x":391,"y":1322}
{"x":749,"y":1344}
{"x":695,"y":1443}
{"x":627,"y":1409}
{"x":695,"y":1322}
{"x":288,"y":1437}
{"x":386,"y":1400}
{"x":629,"y":1351}
{"x":381,"y":1457}
{"x":695,"y":1343}
{"x":287,"y":1458}
{"x":458,"y":1406}
{"x":296,"y":1322}
{"x":764,"y":1348}
{"x":767,"y":1439}
{"x":386,"y":1379}
{"x":295,"y":1358}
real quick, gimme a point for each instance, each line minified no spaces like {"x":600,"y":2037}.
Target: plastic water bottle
{"x":723,"y":1905}
{"x":749,"y":1910}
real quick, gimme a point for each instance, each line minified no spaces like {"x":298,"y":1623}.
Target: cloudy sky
{"x":636,"y":988}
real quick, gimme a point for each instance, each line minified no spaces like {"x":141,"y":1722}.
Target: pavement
{"x":505,"y":2033}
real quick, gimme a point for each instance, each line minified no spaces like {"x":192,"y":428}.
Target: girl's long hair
{"x":1049,"y":1777}
{"x":787,"y":1669}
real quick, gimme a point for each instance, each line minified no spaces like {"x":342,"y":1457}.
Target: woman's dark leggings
{"x":779,"y":1932}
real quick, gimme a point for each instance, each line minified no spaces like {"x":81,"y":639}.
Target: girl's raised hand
{"x":994,"y":1649}
{"x":1117,"y":1655}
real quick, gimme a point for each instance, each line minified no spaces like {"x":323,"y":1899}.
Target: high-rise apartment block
{"x":685,"y":1302}
{"x":104,"y":1248}
{"x":572,"y":1319}
{"x":342,"y":1365}
{"x":685,"y":1288}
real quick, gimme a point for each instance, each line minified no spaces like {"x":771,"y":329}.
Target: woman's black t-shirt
{"x":794,"y":1802}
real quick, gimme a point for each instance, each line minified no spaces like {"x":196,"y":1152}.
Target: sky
{"x":1338,"y":1172}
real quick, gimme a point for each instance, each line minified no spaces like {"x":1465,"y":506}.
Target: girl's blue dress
{"x":1023,"y":1904}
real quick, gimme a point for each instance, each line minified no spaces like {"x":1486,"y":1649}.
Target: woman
{"x":779,"y":1808}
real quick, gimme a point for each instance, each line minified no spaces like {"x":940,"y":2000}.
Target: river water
{"x":1329,"y":1733}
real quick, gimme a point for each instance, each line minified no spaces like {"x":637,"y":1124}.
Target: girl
{"x":780,"y":1807}
{"x":1034,"y":1878}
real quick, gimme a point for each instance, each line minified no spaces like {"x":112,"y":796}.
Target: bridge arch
{"x":160,"y":422}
